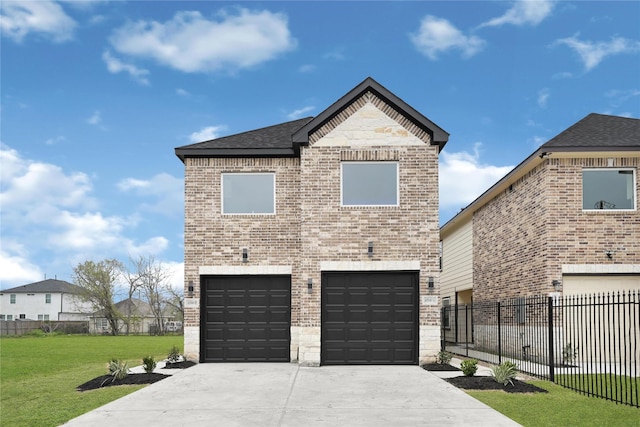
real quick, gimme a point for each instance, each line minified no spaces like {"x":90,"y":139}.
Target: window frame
{"x":47,"y":298}
{"x":397,"y":167}
{"x":12,"y":298}
{"x":446,"y":312}
{"x":634,"y":184}
{"x":223,"y":174}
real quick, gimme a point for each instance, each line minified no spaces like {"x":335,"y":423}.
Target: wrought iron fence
{"x":588,"y":343}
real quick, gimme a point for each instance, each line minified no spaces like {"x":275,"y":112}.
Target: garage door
{"x":591,"y":284}
{"x":369,"y":318}
{"x":245,"y":319}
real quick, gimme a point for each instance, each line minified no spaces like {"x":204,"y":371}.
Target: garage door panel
{"x":369,"y":318}
{"x":246,"y":318}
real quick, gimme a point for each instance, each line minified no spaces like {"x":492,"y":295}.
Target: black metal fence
{"x":588,"y":343}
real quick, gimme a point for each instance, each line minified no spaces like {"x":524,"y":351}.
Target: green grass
{"x":559,"y":407}
{"x":39,"y":375}
{"x":615,"y":387}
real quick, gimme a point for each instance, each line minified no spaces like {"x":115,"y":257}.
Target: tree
{"x":134,"y":283}
{"x":97,"y":281}
{"x":153,"y":283}
{"x":175,"y":301}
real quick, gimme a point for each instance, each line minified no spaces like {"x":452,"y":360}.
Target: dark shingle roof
{"x":284,"y":140}
{"x":600,"y":132}
{"x":46,"y":286}
{"x":269,"y":141}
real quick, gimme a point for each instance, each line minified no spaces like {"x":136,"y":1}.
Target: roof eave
{"x":183,"y":153}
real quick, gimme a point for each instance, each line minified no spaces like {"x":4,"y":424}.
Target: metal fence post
{"x":551,"y":352}
{"x":499,"y":336}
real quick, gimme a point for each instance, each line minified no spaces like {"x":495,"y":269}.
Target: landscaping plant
{"x":469,"y":367}
{"x":174,"y":354}
{"x":118,"y":369}
{"x":444,"y":357}
{"x":505,"y":373}
{"x":569,"y":354}
{"x":149,"y":364}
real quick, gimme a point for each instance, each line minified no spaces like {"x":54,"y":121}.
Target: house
{"x":563,"y":222}
{"x":49,"y":299}
{"x":137,"y":312}
{"x":316,"y":241}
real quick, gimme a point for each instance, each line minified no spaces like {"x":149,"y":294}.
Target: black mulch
{"x":439,"y":367}
{"x":179,"y":365}
{"x":488,"y":383}
{"x":131,"y":379}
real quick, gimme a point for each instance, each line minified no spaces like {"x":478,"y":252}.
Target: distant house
{"x":49,"y":299}
{"x":138,"y":312}
{"x":565,"y":221}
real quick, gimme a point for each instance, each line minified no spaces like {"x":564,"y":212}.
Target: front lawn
{"x":39,"y":375}
{"x":559,"y":407}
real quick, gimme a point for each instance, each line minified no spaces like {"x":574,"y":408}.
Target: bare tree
{"x":154,"y":278}
{"x":175,"y":301}
{"x":134,"y":279}
{"x":97,"y":281}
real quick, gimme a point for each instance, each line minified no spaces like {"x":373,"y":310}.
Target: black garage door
{"x":245,"y":319}
{"x":369,"y":318}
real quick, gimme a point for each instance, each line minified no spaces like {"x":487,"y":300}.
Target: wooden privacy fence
{"x":21,"y":327}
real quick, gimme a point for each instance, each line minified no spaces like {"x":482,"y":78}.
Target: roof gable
{"x":437,"y":135}
{"x":50,"y":286}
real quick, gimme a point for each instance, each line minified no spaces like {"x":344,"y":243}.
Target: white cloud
{"x":167,"y":190}
{"x":296,"y":114}
{"x":592,"y":53}
{"x":543,"y":97}
{"x":619,"y":97}
{"x":56,"y":140}
{"x":523,"y":12}
{"x":463,"y":177}
{"x":54,"y":216}
{"x":437,"y":35}
{"x":95,"y":119}
{"x":562,"y":75}
{"x":307,"y":68}
{"x":16,"y":270}
{"x":45,"y":18}
{"x":206,"y":133}
{"x":182,"y":92}
{"x":114,"y":65}
{"x":191,"y":43}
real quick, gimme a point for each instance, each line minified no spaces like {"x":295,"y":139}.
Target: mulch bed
{"x":441,"y":367}
{"x":131,"y":379}
{"x":488,"y":383}
{"x":179,"y":365}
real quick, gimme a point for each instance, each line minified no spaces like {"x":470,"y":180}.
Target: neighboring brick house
{"x":49,"y":299}
{"x":565,"y":221}
{"x":316,"y":240}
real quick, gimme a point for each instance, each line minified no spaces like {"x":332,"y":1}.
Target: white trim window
{"x":248,"y":193}
{"x":369,"y":184}
{"x":47,"y":298}
{"x":608,"y":189}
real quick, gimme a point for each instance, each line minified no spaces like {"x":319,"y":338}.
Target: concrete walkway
{"x":280,"y":394}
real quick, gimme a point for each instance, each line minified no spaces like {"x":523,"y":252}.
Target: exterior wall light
{"x":556,"y":285}
{"x":370,"y":249}
{"x":190,"y":288}
{"x":245,"y":255}
{"x":431,"y":282}
{"x":309,"y":285}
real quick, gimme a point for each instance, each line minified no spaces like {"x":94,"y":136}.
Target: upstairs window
{"x":47,"y":298}
{"x":249,"y":193}
{"x":608,"y":189}
{"x":369,"y":184}
{"x":12,"y":299}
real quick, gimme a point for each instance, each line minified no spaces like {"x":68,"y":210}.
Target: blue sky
{"x":96,"y":95}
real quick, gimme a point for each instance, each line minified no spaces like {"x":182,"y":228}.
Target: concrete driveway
{"x":281,"y":394}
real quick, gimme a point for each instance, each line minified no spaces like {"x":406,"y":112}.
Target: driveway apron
{"x":282,"y":394}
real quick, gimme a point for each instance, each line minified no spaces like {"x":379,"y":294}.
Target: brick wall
{"x":525,"y":234}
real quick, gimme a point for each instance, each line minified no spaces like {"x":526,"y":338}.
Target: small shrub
{"x":35,"y":333}
{"x":505,"y":373}
{"x":149,"y":364}
{"x":118,"y":370}
{"x":444,"y":357}
{"x":569,"y":354}
{"x":174,"y":354}
{"x":469,"y":367}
